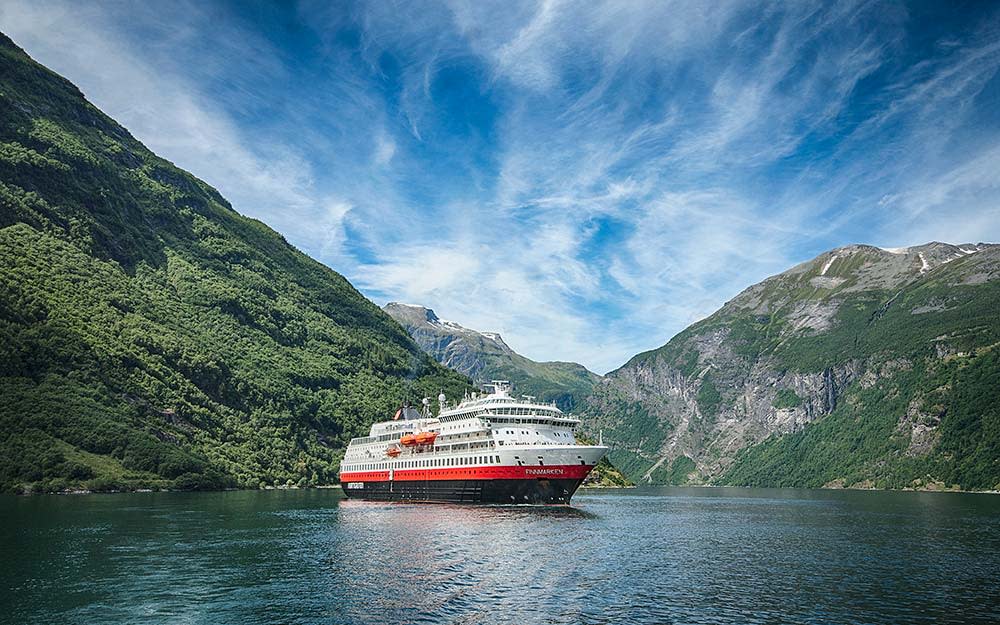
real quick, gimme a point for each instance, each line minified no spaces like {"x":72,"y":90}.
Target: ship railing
{"x":474,"y":443}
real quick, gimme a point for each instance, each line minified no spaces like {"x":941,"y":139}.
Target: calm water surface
{"x":642,"y":556}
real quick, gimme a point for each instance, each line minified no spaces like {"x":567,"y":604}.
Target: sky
{"x":586,"y":178}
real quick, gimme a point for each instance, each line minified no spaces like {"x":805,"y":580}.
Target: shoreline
{"x":589,"y":488}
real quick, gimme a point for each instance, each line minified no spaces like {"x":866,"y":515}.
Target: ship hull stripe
{"x":519,"y":491}
{"x":531,"y":472}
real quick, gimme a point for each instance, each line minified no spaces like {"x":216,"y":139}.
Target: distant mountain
{"x":483,"y":356}
{"x":151,"y":336}
{"x":863,"y":367}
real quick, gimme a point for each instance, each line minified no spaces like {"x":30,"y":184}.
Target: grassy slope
{"x":561,"y":382}
{"x":152,"y":336}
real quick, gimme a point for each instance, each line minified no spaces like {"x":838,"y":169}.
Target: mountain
{"x":483,"y":356}
{"x":864,"y":367}
{"x":151,"y":336}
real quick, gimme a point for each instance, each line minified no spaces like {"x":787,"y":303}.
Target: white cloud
{"x":166,"y":112}
{"x":644,"y":162}
{"x":385,"y":149}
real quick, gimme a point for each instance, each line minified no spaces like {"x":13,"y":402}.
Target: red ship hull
{"x":487,"y":485}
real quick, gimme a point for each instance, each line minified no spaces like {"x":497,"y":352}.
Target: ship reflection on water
{"x":450,"y":512}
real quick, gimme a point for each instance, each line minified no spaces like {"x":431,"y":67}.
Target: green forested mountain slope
{"x":151,"y":336}
{"x":863,"y":367}
{"x":484,"y":356}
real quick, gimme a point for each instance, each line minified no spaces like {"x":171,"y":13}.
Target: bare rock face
{"x":824,"y":337}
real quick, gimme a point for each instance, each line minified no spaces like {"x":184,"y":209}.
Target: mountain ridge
{"x":484,"y":356}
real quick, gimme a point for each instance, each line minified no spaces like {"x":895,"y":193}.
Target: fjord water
{"x":640,"y":556}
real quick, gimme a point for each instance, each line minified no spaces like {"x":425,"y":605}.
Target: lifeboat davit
{"x":426,"y":438}
{"x":409,"y":439}
{"x":393,"y":451}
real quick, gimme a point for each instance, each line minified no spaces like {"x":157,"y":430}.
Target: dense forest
{"x":153,"y":337}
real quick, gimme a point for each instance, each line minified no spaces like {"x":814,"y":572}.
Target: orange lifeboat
{"x":393,"y":451}
{"x":409,"y":439}
{"x":426,"y":438}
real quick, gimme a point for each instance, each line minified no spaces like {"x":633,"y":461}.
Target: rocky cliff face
{"x":483,"y":356}
{"x":861,"y":334}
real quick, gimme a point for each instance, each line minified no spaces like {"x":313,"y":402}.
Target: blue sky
{"x":586,"y":178}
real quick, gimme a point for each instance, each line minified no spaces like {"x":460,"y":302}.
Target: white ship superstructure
{"x":492,"y":447}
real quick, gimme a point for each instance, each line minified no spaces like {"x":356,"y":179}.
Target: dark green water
{"x":643,"y":556}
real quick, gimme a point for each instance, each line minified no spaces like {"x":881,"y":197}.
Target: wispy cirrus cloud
{"x":587,"y":178}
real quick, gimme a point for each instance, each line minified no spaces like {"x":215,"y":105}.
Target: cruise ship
{"x":491,"y":448}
